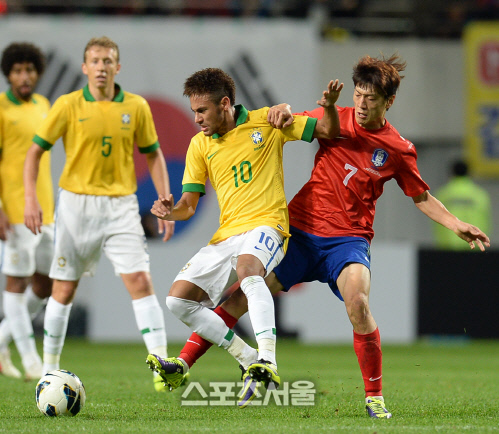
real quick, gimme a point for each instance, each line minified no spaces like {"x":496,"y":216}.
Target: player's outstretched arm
{"x":185,"y":208}
{"x":435,"y":210}
{"x":33,"y":215}
{"x":328,"y":127}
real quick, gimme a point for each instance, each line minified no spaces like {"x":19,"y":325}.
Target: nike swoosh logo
{"x":375,"y":379}
{"x":83,"y":119}
{"x":192,"y":342}
{"x":209,"y":156}
{"x":256,"y":334}
{"x":258,"y":248}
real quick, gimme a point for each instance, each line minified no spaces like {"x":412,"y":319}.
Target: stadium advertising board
{"x":482,"y":97}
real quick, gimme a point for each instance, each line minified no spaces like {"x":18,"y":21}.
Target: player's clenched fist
{"x":162,"y":207}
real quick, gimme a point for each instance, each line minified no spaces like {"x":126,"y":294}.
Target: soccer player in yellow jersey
{"x":97,"y":208}
{"x":26,"y":257}
{"x":241,"y":153}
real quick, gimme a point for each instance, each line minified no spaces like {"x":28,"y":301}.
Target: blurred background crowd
{"x":336,"y":18}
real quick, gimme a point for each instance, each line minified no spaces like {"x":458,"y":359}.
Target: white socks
{"x":200,"y":319}
{"x":55,"y":328}
{"x":211,"y":327}
{"x":5,"y":335}
{"x":19,"y":324}
{"x":242,"y":352}
{"x":262,"y":315}
{"x":151,"y":324}
{"x":34,"y":304}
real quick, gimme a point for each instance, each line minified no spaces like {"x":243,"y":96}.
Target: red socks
{"x":196,"y":346}
{"x":368,"y":350}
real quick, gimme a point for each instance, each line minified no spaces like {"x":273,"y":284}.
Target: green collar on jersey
{"x":13,"y":99}
{"x":119,"y":94}
{"x":241,"y":115}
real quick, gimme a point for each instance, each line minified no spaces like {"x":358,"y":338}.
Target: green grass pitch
{"x":429,"y":388}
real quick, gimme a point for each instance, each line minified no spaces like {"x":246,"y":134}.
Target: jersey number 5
{"x":106,"y":146}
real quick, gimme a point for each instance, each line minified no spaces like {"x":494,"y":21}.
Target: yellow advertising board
{"x":481,"y":42}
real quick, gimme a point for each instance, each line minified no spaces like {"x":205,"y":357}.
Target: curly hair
{"x":383,"y":74}
{"x":213,"y":82}
{"x":20,"y":52}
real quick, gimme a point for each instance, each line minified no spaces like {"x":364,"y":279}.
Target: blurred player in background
{"x":97,"y":209}
{"x":332,"y":216}
{"x":465,"y":199}
{"x":26,"y":257}
{"x":241,"y":154}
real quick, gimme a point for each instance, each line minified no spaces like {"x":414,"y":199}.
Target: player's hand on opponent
{"x":33,"y":216}
{"x":472,"y":235}
{"x":4,"y":226}
{"x":166,"y":228}
{"x":280,"y":116}
{"x":162,"y":207}
{"x":331,"y":95}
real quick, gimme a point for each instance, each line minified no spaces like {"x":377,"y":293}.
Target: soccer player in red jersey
{"x":332,"y":216}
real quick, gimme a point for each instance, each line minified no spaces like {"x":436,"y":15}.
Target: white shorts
{"x":213,"y":268}
{"x":85,"y":225}
{"x":25,"y":253}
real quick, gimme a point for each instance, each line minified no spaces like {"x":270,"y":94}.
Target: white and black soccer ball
{"x":60,"y":393}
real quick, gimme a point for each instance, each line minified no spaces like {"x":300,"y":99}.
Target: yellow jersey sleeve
{"x":196,"y":171}
{"x":54,"y":125}
{"x":145,"y":133}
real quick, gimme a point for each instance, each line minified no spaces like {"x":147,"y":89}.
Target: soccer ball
{"x":60,"y":393}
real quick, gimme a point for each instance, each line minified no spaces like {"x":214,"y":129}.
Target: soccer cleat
{"x":376,"y":408}
{"x":249,"y":391}
{"x":159,"y":384}
{"x":170,"y":370}
{"x":33,"y":372}
{"x":7,"y":368}
{"x":185,"y":380}
{"x":264,"y":372}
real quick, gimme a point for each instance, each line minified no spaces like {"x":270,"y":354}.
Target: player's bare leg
{"x":354,"y":285}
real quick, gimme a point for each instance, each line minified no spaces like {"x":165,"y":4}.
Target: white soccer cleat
{"x":33,"y":371}
{"x":7,"y":368}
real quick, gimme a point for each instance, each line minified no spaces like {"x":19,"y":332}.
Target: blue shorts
{"x":310,"y":258}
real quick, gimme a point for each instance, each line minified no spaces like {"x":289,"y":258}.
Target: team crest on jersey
{"x":256,"y":136}
{"x":14,"y":258}
{"x":379,"y":157}
{"x":125,"y":118}
{"x":185,"y":267}
{"x":61,"y":261}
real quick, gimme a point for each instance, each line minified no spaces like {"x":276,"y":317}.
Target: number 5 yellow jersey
{"x":245,"y":169}
{"x":98,"y":138}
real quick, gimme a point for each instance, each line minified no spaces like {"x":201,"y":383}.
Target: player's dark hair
{"x":382,"y":75}
{"x":21,"y":52}
{"x":103,"y":41}
{"x":213,"y":82}
{"x":460,"y":168}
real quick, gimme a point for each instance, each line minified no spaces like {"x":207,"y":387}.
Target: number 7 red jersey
{"x":348,"y":177}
